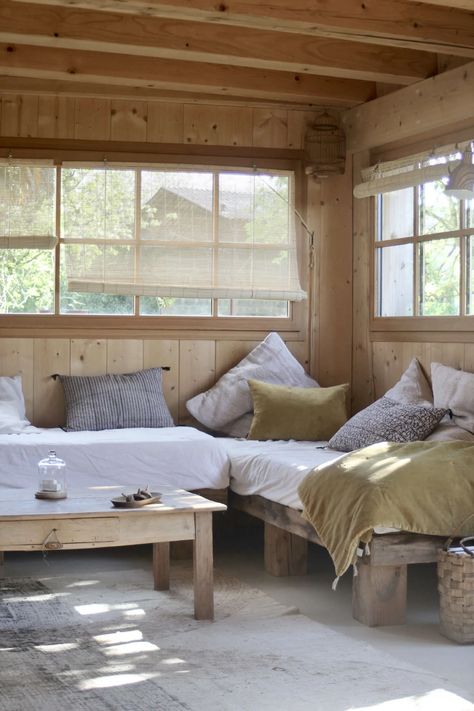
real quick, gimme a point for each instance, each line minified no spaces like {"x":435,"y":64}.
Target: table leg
{"x":161,"y":566}
{"x":2,"y":564}
{"x":203,"y":568}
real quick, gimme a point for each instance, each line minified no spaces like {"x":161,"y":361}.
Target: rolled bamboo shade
{"x":408,"y":172}
{"x":220,"y":235}
{"x":27,"y":204}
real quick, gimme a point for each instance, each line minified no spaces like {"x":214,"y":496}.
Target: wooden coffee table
{"x":90,"y":521}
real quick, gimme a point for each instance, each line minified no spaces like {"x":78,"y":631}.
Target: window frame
{"x":418,"y":322}
{"x":147,"y":325}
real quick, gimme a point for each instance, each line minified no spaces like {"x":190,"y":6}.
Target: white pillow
{"x":239,"y":427}
{"x":454,"y":390}
{"x":413,"y":387}
{"x":447,"y":431}
{"x":229,"y":399}
{"x":12,"y":407}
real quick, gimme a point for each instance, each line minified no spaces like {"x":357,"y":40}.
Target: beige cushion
{"x":240,"y":427}
{"x":454,"y":390}
{"x":413,"y":387}
{"x":313,"y":414}
{"x":229,"y":399}
{"x":449,"y":431}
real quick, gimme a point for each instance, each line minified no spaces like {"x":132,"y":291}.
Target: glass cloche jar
{"x":51,"y":477}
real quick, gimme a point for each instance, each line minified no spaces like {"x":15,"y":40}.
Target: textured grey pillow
{"x":386,"y":421}
{"x":109,"y":402}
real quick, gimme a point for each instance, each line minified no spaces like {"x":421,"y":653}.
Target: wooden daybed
{"x":379,"y":591}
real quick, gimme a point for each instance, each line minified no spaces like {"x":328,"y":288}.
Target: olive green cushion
{"x":313,"y":414}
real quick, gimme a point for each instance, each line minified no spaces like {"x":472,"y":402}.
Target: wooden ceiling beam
{"x":458,"y":4}
{"x":434,"y":104}
{"x":192,"y":41}
{"x":400,"y":23}
{"x":152,"y":73}
{"x":15,"y":85}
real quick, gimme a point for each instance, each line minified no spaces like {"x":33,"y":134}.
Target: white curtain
{"x":27,"y":204}
{"x":197,"y":234}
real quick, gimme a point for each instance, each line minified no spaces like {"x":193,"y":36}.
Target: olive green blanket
{"x":421,"y":487}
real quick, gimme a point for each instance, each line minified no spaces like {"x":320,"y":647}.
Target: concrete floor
{"x":418,"y":641}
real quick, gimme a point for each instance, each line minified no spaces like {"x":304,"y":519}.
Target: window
{"x":119,"y":224}
{"x":424,"y":253}
{"x":27,"y":236}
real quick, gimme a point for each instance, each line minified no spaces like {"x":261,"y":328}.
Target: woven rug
{"x":109,"y":642}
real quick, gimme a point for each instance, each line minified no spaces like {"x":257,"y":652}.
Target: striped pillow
{"x":109,"y":402}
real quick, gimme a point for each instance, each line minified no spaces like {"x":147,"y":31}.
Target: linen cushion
{"x":448,"y":431}
{"x":115,"y":401}
{"x":454,"y":390}
{"x":229,"y":399}
{"x":386,"y":421}
{"x":297,"y":413}
{"x":240,"y":427}
{"x":12,"y":407}
{"x":412,"y":388}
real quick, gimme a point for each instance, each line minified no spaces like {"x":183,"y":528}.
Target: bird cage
{"x":325,"y":145}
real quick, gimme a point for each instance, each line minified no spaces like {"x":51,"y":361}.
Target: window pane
{"x":470,"y":275}
{"x":27,"y":278}
{"x":440,"y":273}
{"x":395,"y":278}
{"x":176,"y":206}
{"x":253,"y":307}
{"x":438,"y":211}
{"x":158,"y":306}
{"x":27,"y":200}
{"x":77,"y":259}
{"x":254,"y":208}
{"x":396,"y":214}
{"x":98,"y":203}
{"x":470,"y":213}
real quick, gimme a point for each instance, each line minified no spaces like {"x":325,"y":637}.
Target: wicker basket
{"x":456,"y":592}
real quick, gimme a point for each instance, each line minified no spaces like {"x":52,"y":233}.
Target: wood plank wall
{"x":194,"y":367}
{"x":97,"y":119}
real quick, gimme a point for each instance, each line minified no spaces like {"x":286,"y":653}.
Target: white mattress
{"x":275,"y":469}
{"x":167,"y":458}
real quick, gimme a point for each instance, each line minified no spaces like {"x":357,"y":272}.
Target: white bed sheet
{"x":167,"y":458}
{"x":276,"y":469}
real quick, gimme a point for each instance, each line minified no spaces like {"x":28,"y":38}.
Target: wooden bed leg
{"x":379,"y":594}
{"x":285,"y":553}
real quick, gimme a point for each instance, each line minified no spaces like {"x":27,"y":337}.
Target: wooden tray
{"x":120,"y":502}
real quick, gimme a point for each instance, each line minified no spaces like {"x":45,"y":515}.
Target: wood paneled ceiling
{"x":337,"y":53}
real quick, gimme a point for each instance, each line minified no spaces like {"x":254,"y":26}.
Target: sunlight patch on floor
{"x":44,"y":597}
{"x":83,"y":583}
{"x":99,"y":608}
{"x":64,"y":647}
{"x":104,"y":682}
{"x":118,"y":650}
{"x":435,"y":700}
{"x":119,"y":637}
